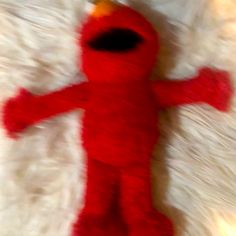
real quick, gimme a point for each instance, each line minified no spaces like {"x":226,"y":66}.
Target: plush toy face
{"x":118,"y":44}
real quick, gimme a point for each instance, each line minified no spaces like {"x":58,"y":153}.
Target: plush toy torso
{"x":123,"y":131}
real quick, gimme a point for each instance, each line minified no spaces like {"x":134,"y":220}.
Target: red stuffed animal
{"x":120,"y":128}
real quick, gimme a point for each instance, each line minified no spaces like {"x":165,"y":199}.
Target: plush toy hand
{"x":15,"y":119}
{"x":219,"y":87}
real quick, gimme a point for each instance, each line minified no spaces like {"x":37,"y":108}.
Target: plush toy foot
{"x":99,"y":226}
{"x":156,"y":225}
{"x":90,"y":226}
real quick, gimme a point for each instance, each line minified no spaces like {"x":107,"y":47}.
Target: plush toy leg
{"x":101,"y":180}
{"x":137,"y":207}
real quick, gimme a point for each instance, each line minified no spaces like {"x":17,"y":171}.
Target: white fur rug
{"x":41,"y":174}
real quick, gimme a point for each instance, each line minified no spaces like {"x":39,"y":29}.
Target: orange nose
{"x":104,"y":8}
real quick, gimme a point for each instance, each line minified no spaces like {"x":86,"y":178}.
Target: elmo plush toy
{"x":120,"y":128}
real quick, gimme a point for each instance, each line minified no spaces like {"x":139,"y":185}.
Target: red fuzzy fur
{"x":27,"y":109}
{"x":210,"y":86}
{"x":120,"y":126}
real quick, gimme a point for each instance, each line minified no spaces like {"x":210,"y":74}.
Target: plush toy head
{"x":118,"y":44}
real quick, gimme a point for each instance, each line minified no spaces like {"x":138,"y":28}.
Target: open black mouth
{"x":116,"y":40}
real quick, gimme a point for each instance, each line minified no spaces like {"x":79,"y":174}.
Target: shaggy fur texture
{"x":39,"y":172}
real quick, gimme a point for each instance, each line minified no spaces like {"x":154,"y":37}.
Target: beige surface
{"x":41,"y":175}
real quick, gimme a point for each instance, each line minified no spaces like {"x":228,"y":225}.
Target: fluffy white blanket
{"x":42,"y":174}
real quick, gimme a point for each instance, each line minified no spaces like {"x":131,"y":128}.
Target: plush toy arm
{"x":27,"y":109}
{"x":209,"y":86}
